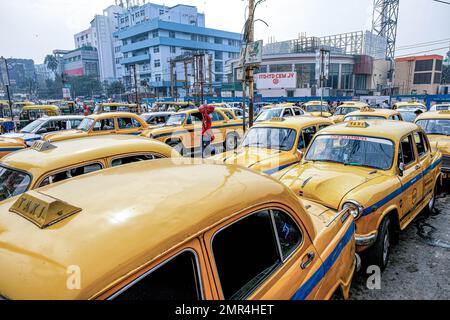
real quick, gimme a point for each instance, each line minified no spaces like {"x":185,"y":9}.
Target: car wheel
{"x":178,"y":146}
{"x":231,"y":142}
{"x":379,"y":253}
{"x":432,"y":202}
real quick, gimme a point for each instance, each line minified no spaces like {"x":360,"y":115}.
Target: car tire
{"x":178,"y":146}
{"x":432,"y":203}
{"x":379,"y":253}
{"x":231,"y":142}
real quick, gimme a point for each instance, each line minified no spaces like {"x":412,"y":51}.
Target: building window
{"x":438,"y":66}
{"x":155,"y":34}
{"x":217,"y":40}
{"x":333,"y":78}
{"x":306,"y":75}
{"x":218,"y":55}
{"x":422,"y":78}
{"x":171,"y":34}
{"x":157,"y":63}
{"x":347,"y":76}
{"x":424,"y":65}
{"x":157,"y":77}
{"x":281,"y":68}
{"x":437,"y":78}
{"x":218,"y":67}
{"x":156,"y":50}
{"x":219,"y":78}
{"x":173,"y":49}
{"x":194,"y":37}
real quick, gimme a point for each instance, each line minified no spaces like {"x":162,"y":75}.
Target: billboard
{"x":276,"y":80}
{"x":251,"y":53}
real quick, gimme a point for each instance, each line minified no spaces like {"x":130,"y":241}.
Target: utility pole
{"x":249,"y":71}
{"x":4,"y":65}
{"x":186,"y":84}
{"x":136,"y":88}
{"x":171,"y":78}
{"x":201,"y":75}
{"x":210,"y":75}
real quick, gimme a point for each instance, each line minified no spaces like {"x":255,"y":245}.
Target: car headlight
{"x":355,"y":209}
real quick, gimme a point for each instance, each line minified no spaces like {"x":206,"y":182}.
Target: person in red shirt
{"x":86,"y":109}
{"x":207,"y":133}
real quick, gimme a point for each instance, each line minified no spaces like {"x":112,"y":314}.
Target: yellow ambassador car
{"x":183,"y":130}
{"x":346,"y":108}
{"x":317,"y":109}
{"x":102,"y":124}
{"x":410,"y":106}
{"x":271,"y":146}
{"x":46,"y":163}
{"x":437,"y":128}
{"x":8,"y":145}
{"x":179,"y":231}
{"x":373,"y":114}
{"x":385,"y":171}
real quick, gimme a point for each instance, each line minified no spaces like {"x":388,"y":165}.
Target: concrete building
{"x":81,"y":62}
{"x":151,"y":35}
{"x":43,"y":73}
{"x":21,"y":74}
{"x":100,"y":36}
{"x":418,"y":75}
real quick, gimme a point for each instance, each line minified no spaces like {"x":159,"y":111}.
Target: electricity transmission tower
{"x":385,"y":18}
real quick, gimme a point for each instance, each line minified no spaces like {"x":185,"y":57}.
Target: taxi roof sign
{"x":357,"y":124}
{"x":444,"y":112}
{"x":367,"y":109}
{"x":42,"y":145}
{"x":277,"y":119}
{"x":41,"y":209}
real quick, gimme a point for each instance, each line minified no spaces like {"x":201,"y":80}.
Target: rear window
{"x":12,"y":183}
{"x":132,"y":159}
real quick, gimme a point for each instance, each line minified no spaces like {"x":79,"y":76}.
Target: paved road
{"x":419,"y":266}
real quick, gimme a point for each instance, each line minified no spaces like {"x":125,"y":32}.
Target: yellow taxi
{"x":284,"y":110}
{"x":8,"y":145}
{"x":410,"y":105}
{"x":175,"y":239}
{"x":271,"y":146}
{"x":368,"y":113}
{"x":183,"y":130}
{"x":171,"y":106}
{"x":437,"y":127}
{"x":317,"y":109}
{"x":346,"y":108}
{"x":46,"y":163}
{"x":102,"y":124}
{"x":385,"y":171}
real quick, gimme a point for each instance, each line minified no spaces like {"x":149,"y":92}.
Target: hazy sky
{"x":33,"y":28}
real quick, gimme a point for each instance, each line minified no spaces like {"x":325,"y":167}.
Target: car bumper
{"x":365,"y":240}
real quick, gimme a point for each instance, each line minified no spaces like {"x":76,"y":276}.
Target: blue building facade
{"x":150,"y":36}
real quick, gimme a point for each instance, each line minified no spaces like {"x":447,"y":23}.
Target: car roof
{"x":130,"y":215}
{"x":411,"y":103}
{"x":297,"y":123}
{"x":62,"y":117}
{"x":196,"y":110}
{"x":389,"y":129}
{"x":434,"y":115}
{"x":158,"y":113}
{"x":373,"y":112}
{"x":107,"y":115}
{"x":75,"y":151}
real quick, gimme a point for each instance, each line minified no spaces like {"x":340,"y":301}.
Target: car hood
{"x":255,"y":158}
{"x":337,"y":119}
{"x":162,"y":130}
{"x":442,"y":142}
{"x":325,"y":183}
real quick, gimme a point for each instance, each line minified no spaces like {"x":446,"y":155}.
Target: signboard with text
{"x":276,"y":80}
{"x":251,"y":54}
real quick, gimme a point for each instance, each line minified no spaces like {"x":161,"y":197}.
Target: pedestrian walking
{"x":207,"y":133}
{"x":85,"y":109}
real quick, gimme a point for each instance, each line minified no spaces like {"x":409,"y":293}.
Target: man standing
{"x":207,"y":133}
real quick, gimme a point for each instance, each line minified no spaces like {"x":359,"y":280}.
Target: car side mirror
{"x":401,"y":169}
{"x":41,"y":131}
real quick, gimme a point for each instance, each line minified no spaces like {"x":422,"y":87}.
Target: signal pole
{"x":249,"y":71}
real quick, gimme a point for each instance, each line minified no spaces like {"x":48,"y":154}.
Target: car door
{"x":410,"y":179}
{"x":273,"y":261}
{"x":103,"y":127}
{"x":219,"y":126}
{"x":128,"y":125}
{"x":194,"y":130}
{"x":424,"y":156}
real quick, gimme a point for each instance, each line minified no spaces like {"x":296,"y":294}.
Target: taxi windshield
{"x":345,"y":110}
{"x":176,"y":120}
{"x":412,"y":107}
{"x":12,"y":183}
{"x":363,"y":117}
{"x":352,"y":151}
{"x":86,"y":124}
{"x":32,"y":127}
{"x":408,"y":116}
{"x":282,"y":139}
{"x":316,"y":109}
{"x":436,"y":126}
{"x":268,"y":114}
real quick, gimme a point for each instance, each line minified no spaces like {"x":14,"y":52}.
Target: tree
{"x":116,"y":87}
{"x":51,"y":62}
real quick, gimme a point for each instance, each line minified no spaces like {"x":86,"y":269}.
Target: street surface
{"x":419,"y":266}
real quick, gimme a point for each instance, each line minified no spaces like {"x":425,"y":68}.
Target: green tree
{"x":51,"y":62}
{"x":116,"y":87}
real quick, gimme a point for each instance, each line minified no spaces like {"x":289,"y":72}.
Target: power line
{"x":414,"y":53}
{"x":444,"y":2}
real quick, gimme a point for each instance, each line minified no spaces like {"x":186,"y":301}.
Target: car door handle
{"x":418,"y":166}
{"x":310,"y":257}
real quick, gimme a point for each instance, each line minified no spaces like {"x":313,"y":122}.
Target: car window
{"x":215,"y":116}
{"x":407,"y":148}
{"x":176,"y":279}
{"x":288,"y":112}
{"x":298,"y":111}
{"x":71,"y":173}
{"x":323,"y":126}
{"x":135,"y":158}
{"x":195,"y":118}
{"x":289,"y":234}
{"x":74,"y":123}
{"x":104,"y":125}
{"x":12,"y":183}
{"x":128,"y":123}
{"x":229,"y":115}
{"x":421,"y":144}
{"x":308,"y":135}
{"x":245,"y":254}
